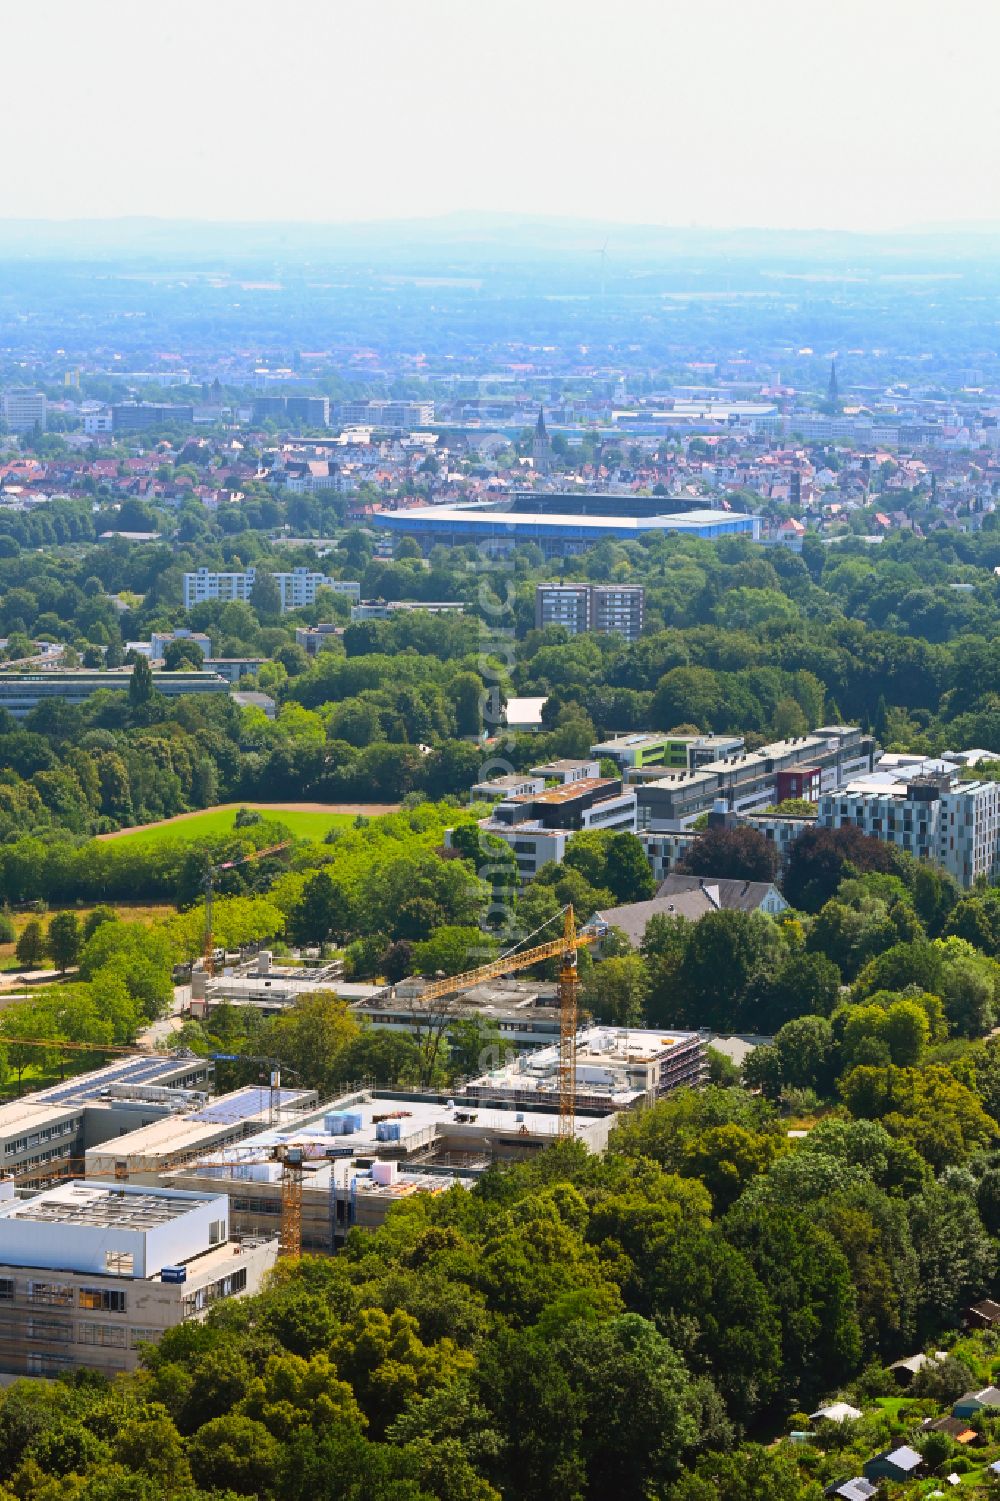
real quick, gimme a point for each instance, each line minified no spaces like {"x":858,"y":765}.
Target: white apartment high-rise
{"x":296,"y":587}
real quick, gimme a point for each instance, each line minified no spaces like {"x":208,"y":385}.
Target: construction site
{"x":295,"y":1174}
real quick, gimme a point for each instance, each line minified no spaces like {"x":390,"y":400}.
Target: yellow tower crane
{"x":564,"y":948}
{"x":294,"y":1156}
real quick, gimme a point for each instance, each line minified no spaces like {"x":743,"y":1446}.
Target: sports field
{"x":305,"y":820}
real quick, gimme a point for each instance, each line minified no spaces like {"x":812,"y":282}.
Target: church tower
{"x":541,"y":448}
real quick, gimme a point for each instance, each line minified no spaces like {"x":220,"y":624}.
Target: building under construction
{"x":617,"y":1068}
{"x":359,"y":1154}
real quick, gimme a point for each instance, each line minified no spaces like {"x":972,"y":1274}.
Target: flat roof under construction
{"x":612,"y":1065}
{"x":101,"y":1206}
{"x":422,"y":1122}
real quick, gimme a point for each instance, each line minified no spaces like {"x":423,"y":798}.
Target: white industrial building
{"x":91,"y":1271}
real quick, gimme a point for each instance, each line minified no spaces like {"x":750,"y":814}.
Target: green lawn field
{"x":216,"y":821}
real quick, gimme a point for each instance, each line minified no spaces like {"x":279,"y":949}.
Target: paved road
{"x":18,"y":979}
{"x":163,"y":1030}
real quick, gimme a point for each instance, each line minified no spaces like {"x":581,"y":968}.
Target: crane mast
{"x":569,"y":987}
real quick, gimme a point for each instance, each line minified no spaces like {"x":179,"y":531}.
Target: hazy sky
{"x":854,"y":114}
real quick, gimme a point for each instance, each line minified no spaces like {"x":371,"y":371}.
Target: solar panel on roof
{"x":246,"y":1102}
{"x":126,"y":1071}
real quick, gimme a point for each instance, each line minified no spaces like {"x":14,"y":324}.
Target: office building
{"x":510,"y":784}
{"x":703,"y":749}
{"x":747,"y":781}
{"x":297,"y":587}
{"x":20,"y":692}
{"x":558,"y":536}
{"x":267,"y":408}
{"x":403,"y":415}
{"x":604,"y":608}
{"x":645,"y":756}
{"x":24,"y":411}
{"x":802,"y":783}
{"x":143,"y":1153}
{"x":90,"y":1271}
{"x":567,"y":770}
{"x":312,"y":411}
{"x":927,"y":811}
{"x":616,"y":1068}
{"x":633,"y":752}
{"x":138,"y":416}
{"x":539,"y":825}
